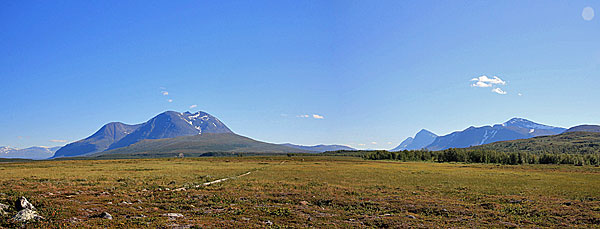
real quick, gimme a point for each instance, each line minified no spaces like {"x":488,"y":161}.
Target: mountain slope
{"x":568,"y":142}
{"x":36,"y":152}
{"x":172,"y":124}
{"x":319,"y":148}
{"x":197,"y":144}
{"x":585,"y":128}
{"x":421,"y":140}
{"x":99,"y":141}
{"x":516,"y":128}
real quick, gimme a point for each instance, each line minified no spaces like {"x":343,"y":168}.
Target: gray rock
{"x":105,"y":215}
{"x":27,"y":215}
{"x":411,"y":216}
{"x":173,"y":215}
{"x":22,"y":204}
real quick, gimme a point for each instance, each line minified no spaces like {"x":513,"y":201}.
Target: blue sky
{"x":366,"y":73}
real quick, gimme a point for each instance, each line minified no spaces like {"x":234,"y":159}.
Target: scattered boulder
{"x":268,"y":222}
{"x":173,"y":215}
{"x":304,"y":202}
{"x":105,"y":215}
{"x":411,"y":216}
{"x":27,"y":215}
{"x":3,"y":207}
{"x":22,"y":204}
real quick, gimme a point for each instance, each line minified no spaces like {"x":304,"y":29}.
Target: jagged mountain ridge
{"x":421,"y":140}
{"x":513,"y":129}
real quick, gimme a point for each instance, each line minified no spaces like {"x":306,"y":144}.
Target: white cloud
{"x":587,"y":13}
{"x":58,"y":141}
{"x":499,"y":91}
{"x":484,"y":81}
{"x":361,"y":144}
{"x":170,"y":100}
{"x":481,"y":84}
{"x":389,"y":143}
{"x":520,"y":94}
{"x":315,"y":116}
{"x":165,"y":92}
{"x":193,"y":106}
{"x":374,"y":143}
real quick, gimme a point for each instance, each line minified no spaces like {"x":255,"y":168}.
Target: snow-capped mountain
{"x":36,"y":152}
{"x":516,"y":128}
{"x":421,"y":140}
{"x":533,"y":128}
{"x":168,"y":124}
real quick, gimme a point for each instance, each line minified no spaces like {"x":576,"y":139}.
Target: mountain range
{"x":513,"y":129}
{"x":573,"y":142}
{"x":36,"y":152}
{"x":173,"y":132}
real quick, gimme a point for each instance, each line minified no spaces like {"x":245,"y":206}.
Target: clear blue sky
{"x":375,"y":71}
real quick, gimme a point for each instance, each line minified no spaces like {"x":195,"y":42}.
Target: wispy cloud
{"x":361,"y":144}
{"x":315,"y":116}
{"x":170,"y":100}
{"x":164,"y":92}
{"x":484,"y":81}
{"x":58,"y":141}
{"x":499,"y":91}
{"x":193,"y":106}
{"x":374,"y":143}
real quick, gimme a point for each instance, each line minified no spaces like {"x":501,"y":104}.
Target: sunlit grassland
{"x":304,"y":191}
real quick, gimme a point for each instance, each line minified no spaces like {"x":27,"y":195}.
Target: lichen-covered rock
{"x":22,"y":204}
{"x":27,"y":215}
{"x":3,"y":208}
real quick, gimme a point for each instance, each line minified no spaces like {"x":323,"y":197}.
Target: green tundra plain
{"x":300,"y":191}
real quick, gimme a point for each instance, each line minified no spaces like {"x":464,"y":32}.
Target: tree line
{"x":482,"y":156}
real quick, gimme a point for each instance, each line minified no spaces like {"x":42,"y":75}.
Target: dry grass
{"x":302,"y":192}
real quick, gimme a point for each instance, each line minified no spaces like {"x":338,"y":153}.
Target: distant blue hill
{"x":585,"y":128}
{"x":36,"y":152}
{"x":319,"y":148}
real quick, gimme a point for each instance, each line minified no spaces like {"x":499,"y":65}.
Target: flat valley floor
{"x":283,"y":191}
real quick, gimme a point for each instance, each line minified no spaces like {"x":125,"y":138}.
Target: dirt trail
{"x":221,"y":180}
{"x":233,"y":177}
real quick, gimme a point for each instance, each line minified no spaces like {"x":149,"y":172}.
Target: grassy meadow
{"x":294,"y":191}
